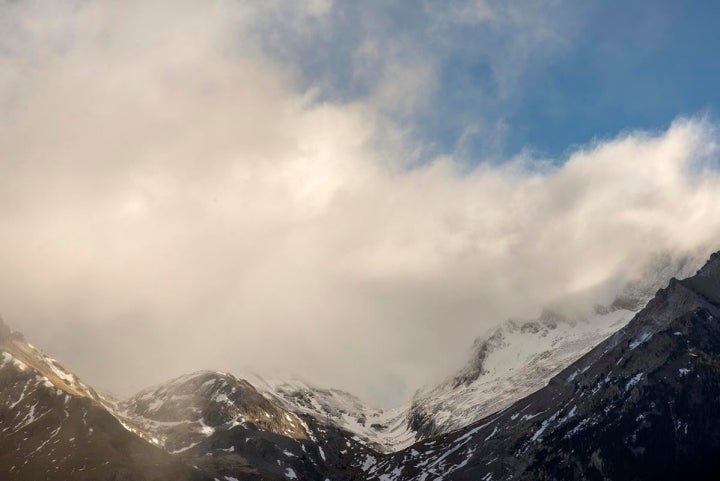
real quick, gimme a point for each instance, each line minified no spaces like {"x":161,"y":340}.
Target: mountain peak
{"x":711,"y":267}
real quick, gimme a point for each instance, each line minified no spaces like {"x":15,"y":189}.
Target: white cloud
{"x":169,"y":201}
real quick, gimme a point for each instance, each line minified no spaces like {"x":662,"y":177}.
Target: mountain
{"x":642,"y":405}
{"x":519,"y":357}
{"x":55,"y":427}
{"x":514,"y":360}
{"x":184,"y":411}
{"x":224,"y":426}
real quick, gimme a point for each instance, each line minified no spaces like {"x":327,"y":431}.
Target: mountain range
{"x":625,"y":390}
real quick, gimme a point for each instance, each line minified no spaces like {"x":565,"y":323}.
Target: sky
{"x":349,"y":192}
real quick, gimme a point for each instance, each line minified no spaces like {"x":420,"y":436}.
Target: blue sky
{"x":544,"y":76}
{"x":635,"y":65}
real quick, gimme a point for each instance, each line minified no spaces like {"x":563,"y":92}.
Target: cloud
{"x":451,"y":73}
{"x":172,"y":199}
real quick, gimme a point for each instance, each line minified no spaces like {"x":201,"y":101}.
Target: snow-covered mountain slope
{"x":519,"y":357}
{"x":26,"y":355}
{"x":507,"y":364}
{"x":55,"y":427}
{"x":512,"y":362}
{"x":643,"y":405}
{"x":381,"y":430}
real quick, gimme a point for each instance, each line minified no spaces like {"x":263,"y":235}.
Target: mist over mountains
{"x":552,"y":398}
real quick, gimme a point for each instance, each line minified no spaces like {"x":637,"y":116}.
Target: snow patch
{"x":633,"y":381}
{"x":544,"y":426}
